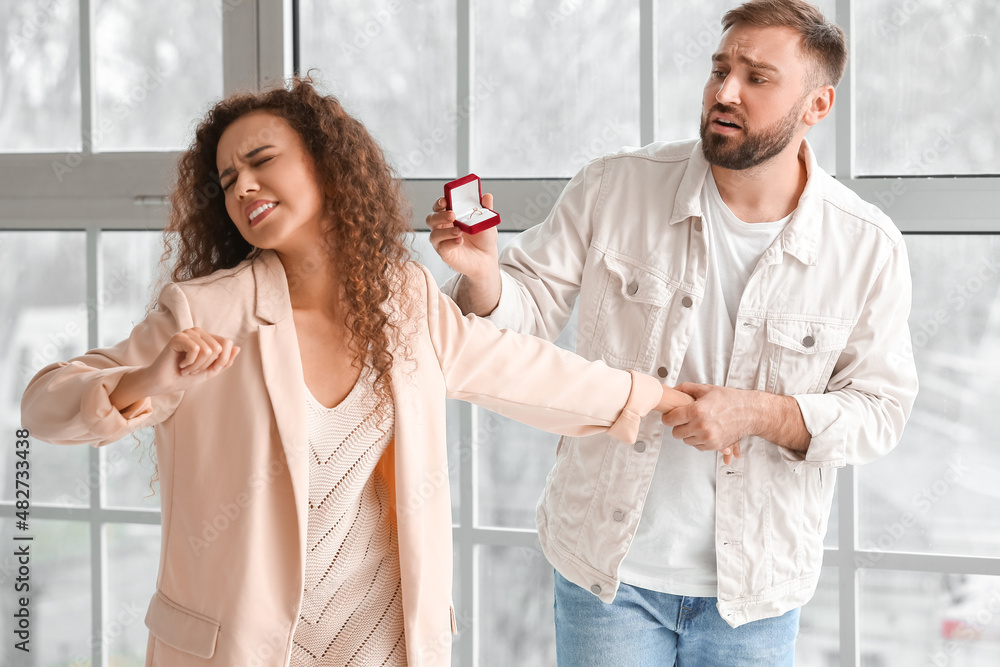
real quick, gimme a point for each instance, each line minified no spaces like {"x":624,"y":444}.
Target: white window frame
{"x":126,"y":191}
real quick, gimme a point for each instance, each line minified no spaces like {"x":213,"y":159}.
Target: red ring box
{"x":464,"y":197}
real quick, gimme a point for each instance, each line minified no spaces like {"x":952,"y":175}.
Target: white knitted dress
{"x":352,"y":612}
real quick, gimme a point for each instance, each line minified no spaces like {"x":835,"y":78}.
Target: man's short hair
{"x":822,"y":40}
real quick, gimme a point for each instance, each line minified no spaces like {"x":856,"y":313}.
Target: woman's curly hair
{"x":363,"y":200}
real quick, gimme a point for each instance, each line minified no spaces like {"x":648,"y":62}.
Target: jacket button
{"x":632,"y":288}
{"x":662,"y":371}
{"x":619,"y":515}
{"x":639,"y":446}
{"x":687,"y":302}
{"x":808,"y":341}
{"x":595,"y":589}
{"x":697,"y":225}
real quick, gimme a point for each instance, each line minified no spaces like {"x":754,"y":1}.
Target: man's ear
{"x":820,"y":105}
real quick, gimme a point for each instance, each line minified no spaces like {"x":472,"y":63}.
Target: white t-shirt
{"x":673,"y":550}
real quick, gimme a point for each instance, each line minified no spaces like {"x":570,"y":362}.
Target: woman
{"x":296,"y":371}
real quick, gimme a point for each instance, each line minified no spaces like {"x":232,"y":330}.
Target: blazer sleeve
{"x":531,"y":380}
{"x":68,"y":402}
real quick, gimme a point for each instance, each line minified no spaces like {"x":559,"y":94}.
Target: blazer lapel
{"x":282,"y":366}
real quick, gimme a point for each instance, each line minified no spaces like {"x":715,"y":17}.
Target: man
{"x":773,"y":295}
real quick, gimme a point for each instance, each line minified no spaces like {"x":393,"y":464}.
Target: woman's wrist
{"x":134,"y":386}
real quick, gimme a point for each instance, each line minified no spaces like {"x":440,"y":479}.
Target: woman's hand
{"x":189,"y":358}
{"x":672,"y":399}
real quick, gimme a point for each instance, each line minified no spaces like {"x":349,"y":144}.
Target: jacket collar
{"x":688,"y":201}
{"x":273,"y":303}
{"x":800,"y":237}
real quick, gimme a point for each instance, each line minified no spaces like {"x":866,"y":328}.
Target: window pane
{"x":818,"y":643}
{"x":130,"y":267}
{"x":832,"y":539}
{"x":513,"y":461}
{"x":39,"y":76}
{"x":128,"y":467}
{"x":687,"y":35}
{"x":43,"y":311}
{"x":462,"y":618}
{"x":60,"y":593}
{"x":917,"y":618}
{"x":515,"y":607}
{"x":557,"y":84}
{"x":133,"y":558}
{"x":937,"y":492}
{"x":926,"y":87}
{"x":157,"y":68}
{"x":129,"y":279}
{"x":392,"y":65}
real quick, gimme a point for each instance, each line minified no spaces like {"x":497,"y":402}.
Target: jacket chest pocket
{"x":800,"y":354}
{"x":631,"y":313}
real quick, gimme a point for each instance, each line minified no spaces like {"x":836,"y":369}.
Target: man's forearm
{"x":778,"y":419}
{"x":479,"y":296}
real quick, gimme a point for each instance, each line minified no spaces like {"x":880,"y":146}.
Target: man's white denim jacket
{"x":823,"y":319}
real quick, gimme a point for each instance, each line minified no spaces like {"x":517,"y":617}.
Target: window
{"x":399,"y":57}
{"x":575,"y":61}
{"x":156,"y":67}
{"x":99,"y":95}
{"x":45,"y":299}
{"x":934,"y":494}
{"x":41,"y":70}
{"x":930,"y":85}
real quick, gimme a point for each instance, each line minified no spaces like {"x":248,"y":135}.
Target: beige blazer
{"x":233,"y":465}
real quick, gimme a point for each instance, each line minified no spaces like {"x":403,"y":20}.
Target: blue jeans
{"x":644,"y":628}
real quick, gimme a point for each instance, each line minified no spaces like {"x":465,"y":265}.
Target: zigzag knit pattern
{"x":352,"y":612}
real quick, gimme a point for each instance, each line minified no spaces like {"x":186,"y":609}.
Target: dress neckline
{"x":347,"y":400}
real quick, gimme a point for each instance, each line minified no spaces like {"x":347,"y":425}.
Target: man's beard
{"x":756,"y":148}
